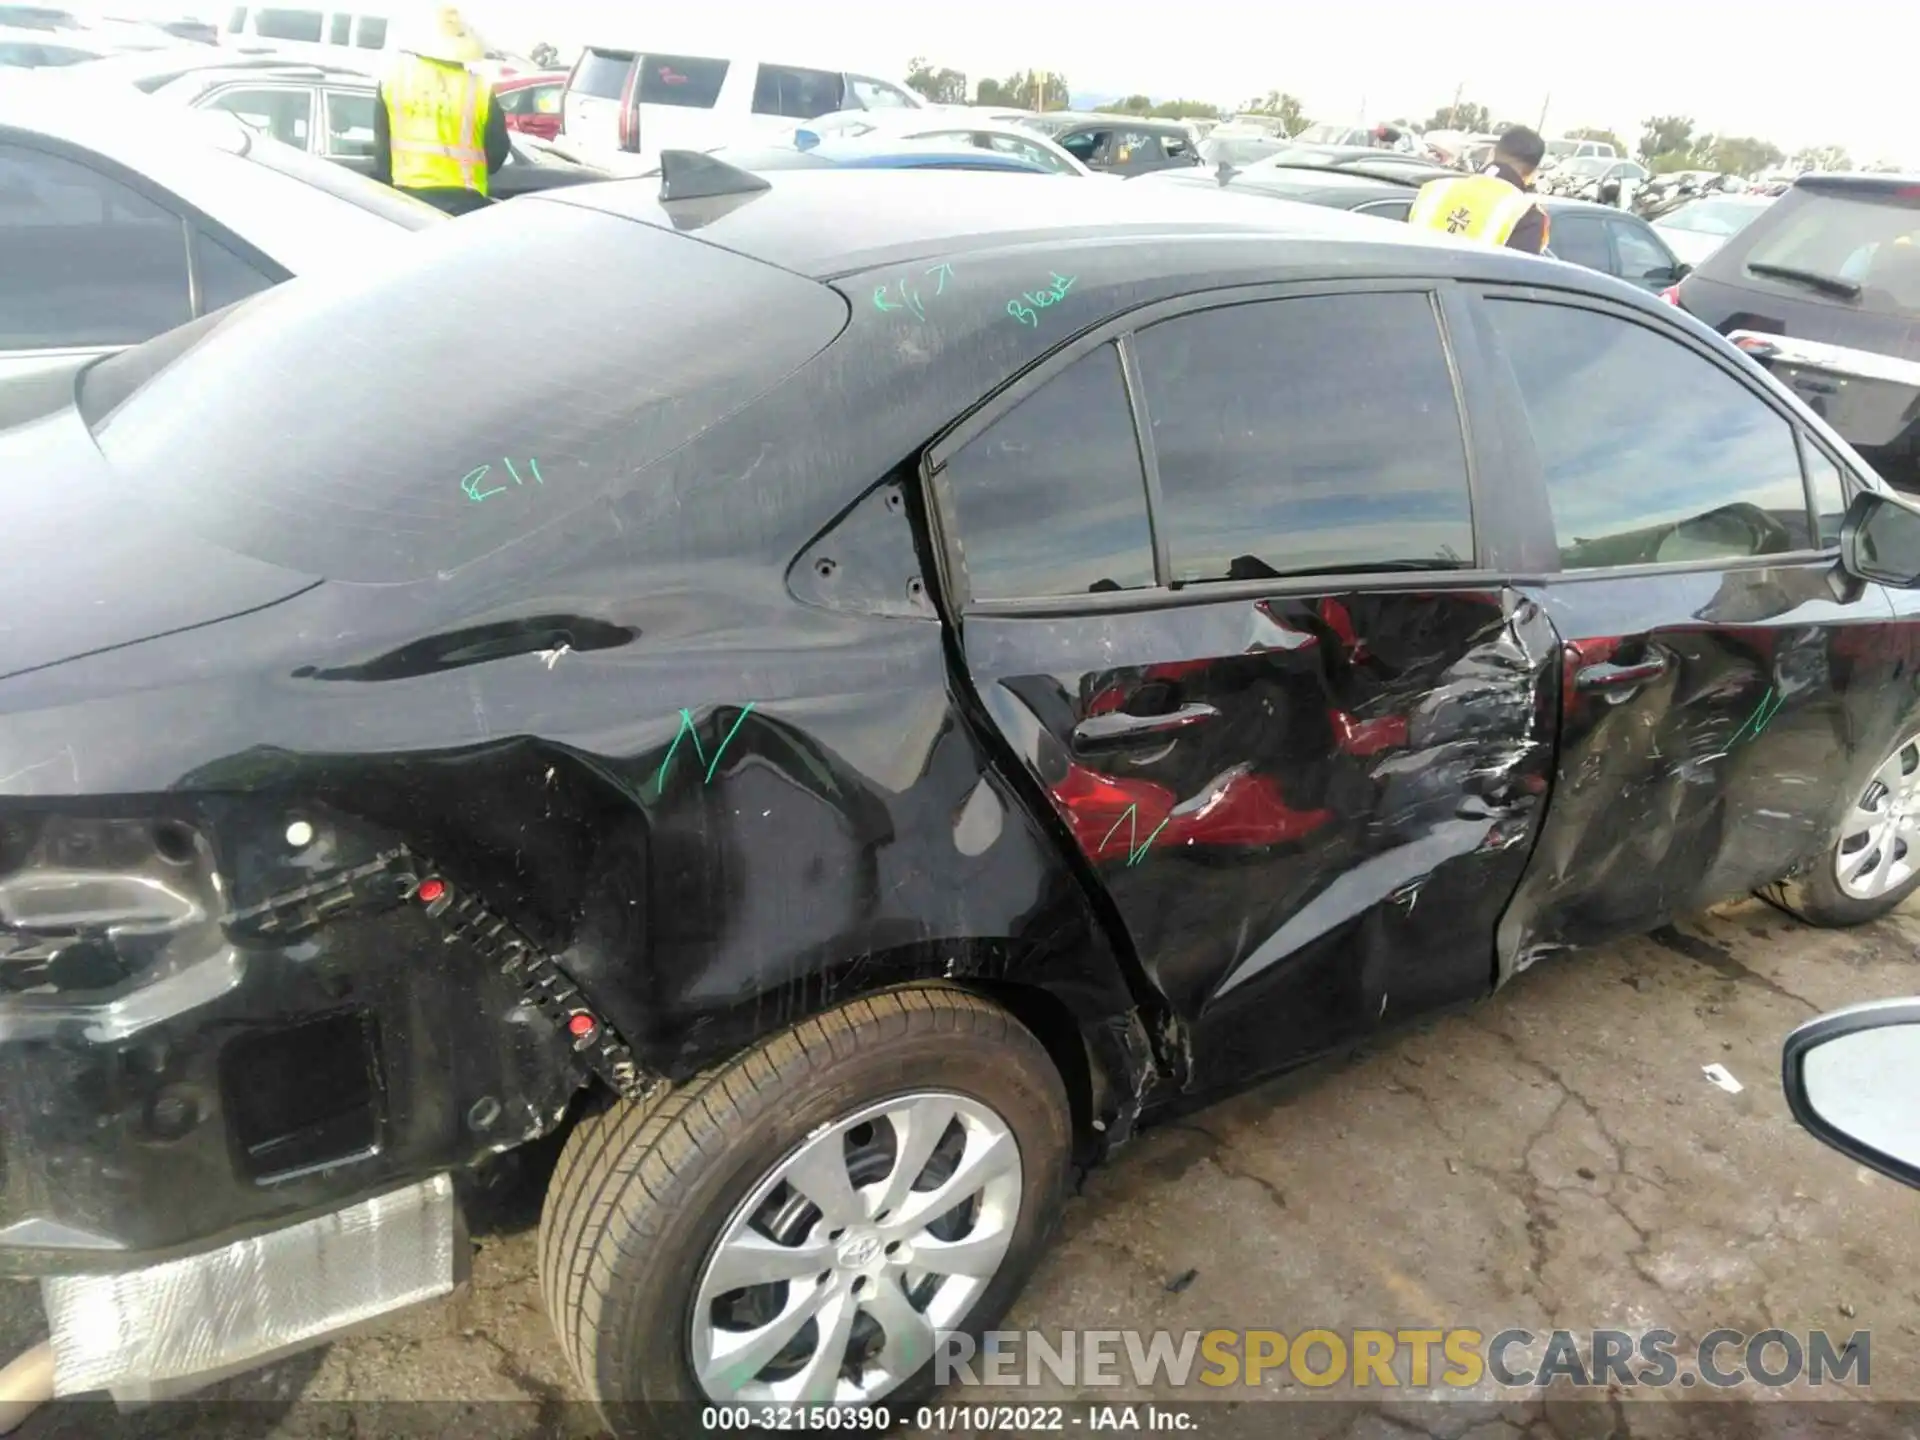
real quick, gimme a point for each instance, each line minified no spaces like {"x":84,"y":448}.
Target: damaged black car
{"x":924,"y":678}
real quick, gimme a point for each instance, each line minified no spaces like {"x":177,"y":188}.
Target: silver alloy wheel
{"x":1880,"y":838}
{"x":829,"y":1281}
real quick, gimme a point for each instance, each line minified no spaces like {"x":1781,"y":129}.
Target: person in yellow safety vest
{"x":1493,"y":206}
{"x":437,"y":132}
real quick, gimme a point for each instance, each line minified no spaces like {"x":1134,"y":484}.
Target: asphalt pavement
{"x":1554,"y":1158}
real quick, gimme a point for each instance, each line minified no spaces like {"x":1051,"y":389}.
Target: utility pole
{"x":1542,"y":127}
{"x":1453,"y":115}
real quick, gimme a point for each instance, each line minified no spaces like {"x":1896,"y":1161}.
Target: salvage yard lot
{"x":1553,"y":1158}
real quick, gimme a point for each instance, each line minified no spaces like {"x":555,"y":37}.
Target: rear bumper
{"x":160,"y":1330}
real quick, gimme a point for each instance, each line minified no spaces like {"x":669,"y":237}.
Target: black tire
{"x":642,"y":1192}
{"x":1816,"y":896}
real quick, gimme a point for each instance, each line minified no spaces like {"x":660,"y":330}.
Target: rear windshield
{"x":602,"y":74}
{"x":1872,"y":243}
{"x":287,"y":25}
{"x":1713,"y":217}
{"x":383,"y":426}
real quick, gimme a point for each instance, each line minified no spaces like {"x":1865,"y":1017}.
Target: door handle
{"x":1116,"y":727}
{"x":1621,"y":677}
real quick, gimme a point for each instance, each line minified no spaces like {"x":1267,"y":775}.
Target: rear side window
{"x":1651,"y":453}
{"x":371,"y":32}
{"x":602,"y":74}
{"x":288,"y":25}
{"x":88,"y":260}
{"x":237,"y":20}
{"x":350,"y":124}
{"x":374,"y":426}
{"x":339,"y":27}
{"x":685,"y":80}
{"x":797,"y":94}
{"x":1052,"y":500}
{"x":1641,"y":256}
{"x":223,"y":275}
{"x":1307,"y":436}
{"x":1873,"y":244}
{"x":283,"y":114}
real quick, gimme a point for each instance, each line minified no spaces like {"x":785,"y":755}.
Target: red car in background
{"x":532,"y":102}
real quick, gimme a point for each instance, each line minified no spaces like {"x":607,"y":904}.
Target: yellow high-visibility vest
{"x":1477,"y":207}
{"x":436,"y":117}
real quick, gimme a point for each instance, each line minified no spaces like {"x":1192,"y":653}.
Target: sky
{"x":1832,"y":74}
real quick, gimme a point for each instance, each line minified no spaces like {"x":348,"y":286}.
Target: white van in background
{"x":620,"y":99}
{"x":318,"y":34}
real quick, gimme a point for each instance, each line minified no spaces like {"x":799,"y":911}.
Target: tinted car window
{"x":378,"y":485}
{"x":237,"y":19}
{"x":1388,"y":209}
{"x":282,"y":114}
{"x":1052,"y":499}
{"x":685,"y":80}
{"x":88,"y":261}
{"x":1828,"y":493}
{"x":338,"y":29}
{"x":288,"y":25}
{"x":1308,"y":435}
{"x":1872,"y":243}
{"x":224,"y":276}
{"x":1641,"y":256}
{"x":602,"y":74}
{"x":870,"y":94}
{"x":1650,"y":452}
{"x":1580,"y":239}
{"x":350,"y":123}
{"x":1084,"y":145}
{"x":371,"y":33}
{"x":797,"y":94}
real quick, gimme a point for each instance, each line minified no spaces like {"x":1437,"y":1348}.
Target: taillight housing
{"x":1671,"y":294}
{"x":630,"y":108}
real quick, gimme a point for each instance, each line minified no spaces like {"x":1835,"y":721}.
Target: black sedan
{"x":928,"y":673}
{"x":1600,"y":237}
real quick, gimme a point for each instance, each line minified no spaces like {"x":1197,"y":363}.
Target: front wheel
{"x":1874,"y":862}
{"x":798,"y":1225}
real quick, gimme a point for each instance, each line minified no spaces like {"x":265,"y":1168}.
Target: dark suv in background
{"x":1824,"y":290}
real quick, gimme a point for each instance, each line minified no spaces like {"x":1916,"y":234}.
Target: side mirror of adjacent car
{"x":1880,"y":539}
{"x":1851,"y":1077}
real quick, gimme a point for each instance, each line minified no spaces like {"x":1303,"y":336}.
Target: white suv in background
{"x":642,"y":102}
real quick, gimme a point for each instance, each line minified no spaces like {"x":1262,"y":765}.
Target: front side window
{"x":371,"y":33}
{"x":88,"y":260}
{"x":283,"y":114}
{"x":350,"y":124}
{"x":289,"y":25}
{"x":1580,"y":240}
{"x":1051,"y":500}
{"x":1651,"y":454}
{"x":1307,"y":436}
{"x":1641,"y":256}
{"x":797,"y":94}
{"x":1827,"y":491}
{"x":237,"y":20}
{"x":339,"y":28}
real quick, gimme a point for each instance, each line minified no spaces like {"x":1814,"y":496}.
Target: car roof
{"x":837,"y":222}
{"x":179,"y":61}
{"x":1567,"y":205}
{"x":1074,"y":119}
{"x":51,"y":35}
{"x":1906,"y":187}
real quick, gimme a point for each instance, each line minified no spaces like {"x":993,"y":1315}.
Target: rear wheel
{"x":794,"y":1227}
{"x":1874,"y":862}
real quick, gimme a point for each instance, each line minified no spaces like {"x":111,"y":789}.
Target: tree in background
{"x":1285,"y":108}
{"x":1666,"y":135}
{"x":1474,"y":119}
{"x":1823,"y":157}
{"x":1589,"y":132}
{"x":1742,"y":155}
{"x":1143,"y":105}
{"x":546,"y":56}
{"x":1027,"y":89}
{"x":943,"y":86}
